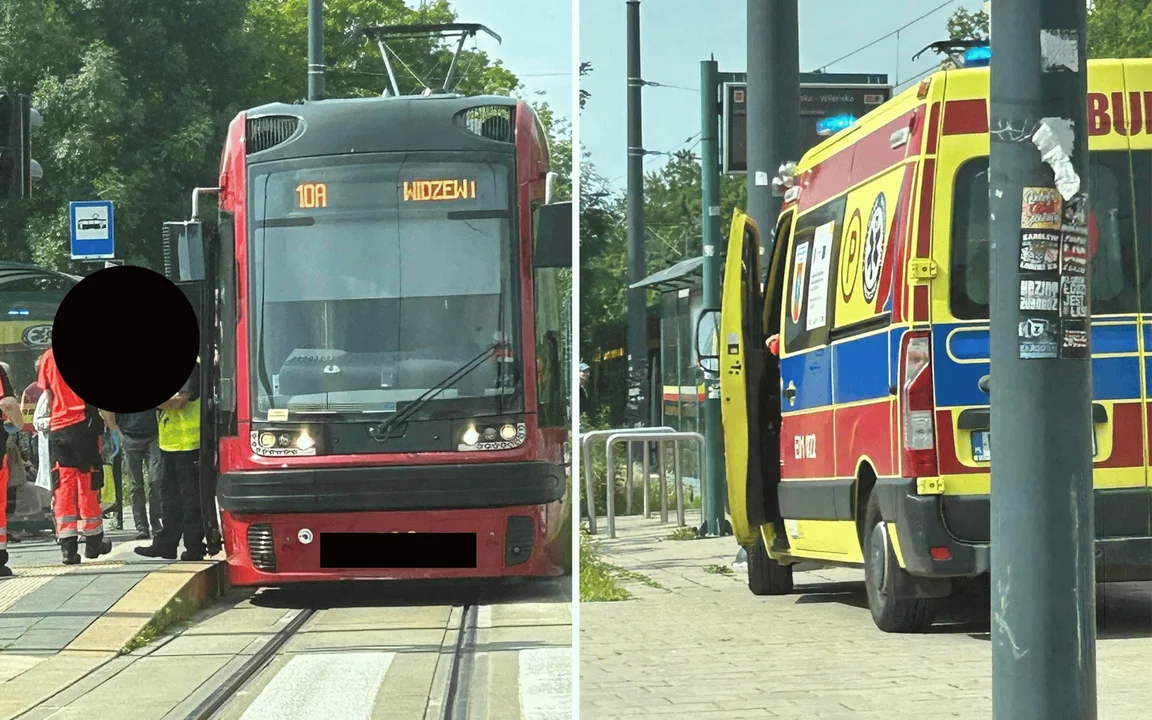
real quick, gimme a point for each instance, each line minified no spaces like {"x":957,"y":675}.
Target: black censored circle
{"x":125,"y":339}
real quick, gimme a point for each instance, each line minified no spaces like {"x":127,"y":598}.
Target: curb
{"x":164,"y":596}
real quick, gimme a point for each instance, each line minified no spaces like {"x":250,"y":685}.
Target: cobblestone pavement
{"x":703,"y":646}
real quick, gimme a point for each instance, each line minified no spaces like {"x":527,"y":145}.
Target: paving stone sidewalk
{"x":702,"y":646}
{"x":46,"y":605}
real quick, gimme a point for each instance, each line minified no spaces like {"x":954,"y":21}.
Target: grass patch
{"x":177,"y":612}
{"x":683,"y":533}
{"x":600,"y":580}
{"x":718,"y":570}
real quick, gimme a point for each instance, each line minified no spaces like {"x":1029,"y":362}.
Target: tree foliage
{"x":136,"y":97}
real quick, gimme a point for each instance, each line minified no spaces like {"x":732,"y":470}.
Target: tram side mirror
{"x":554,"y":236}
{"x":184,"y":251}
{"x":708,"y":340}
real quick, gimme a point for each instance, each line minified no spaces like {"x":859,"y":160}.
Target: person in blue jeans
{"x":140,"y":445}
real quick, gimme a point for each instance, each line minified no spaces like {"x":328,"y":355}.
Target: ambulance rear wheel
{"x":765,"y":575}
{"x":881,"y":570}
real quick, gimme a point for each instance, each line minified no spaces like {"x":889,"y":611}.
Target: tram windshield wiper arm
{"x":380,"y":432}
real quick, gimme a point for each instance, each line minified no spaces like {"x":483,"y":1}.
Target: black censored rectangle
{"x":397,"y":550}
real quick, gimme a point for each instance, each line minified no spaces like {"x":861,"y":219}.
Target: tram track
{"x":220,"y":697}
{"x":454,"y":700}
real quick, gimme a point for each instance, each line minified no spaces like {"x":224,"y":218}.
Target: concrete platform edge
{"x":165,"y":596}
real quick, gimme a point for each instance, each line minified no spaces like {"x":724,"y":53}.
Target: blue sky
{"x":677,"y":34}
{"x":537,"y":43}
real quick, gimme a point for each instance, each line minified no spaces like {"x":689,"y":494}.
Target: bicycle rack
{"x":586,"y":441}
{"x":659,"y":436}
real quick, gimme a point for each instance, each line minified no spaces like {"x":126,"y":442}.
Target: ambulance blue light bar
{"x":833,"y":125}
{"x":15,"y":311}
{"x":978,"y":57}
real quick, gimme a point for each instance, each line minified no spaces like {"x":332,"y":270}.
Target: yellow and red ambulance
{"x":865,"y":441}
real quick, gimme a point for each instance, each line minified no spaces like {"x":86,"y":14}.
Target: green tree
{"x":1120,"y":29}
{"x":279,"y":31}
{"x":968,"y":25}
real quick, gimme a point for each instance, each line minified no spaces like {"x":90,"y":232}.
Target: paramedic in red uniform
{"x":14,"y":417}
{"x":75,"y":431}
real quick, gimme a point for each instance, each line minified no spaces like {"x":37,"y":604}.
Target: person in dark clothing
{"x":179,"y":433}
{"x":141,"y":445}
{"x":14,"y":423}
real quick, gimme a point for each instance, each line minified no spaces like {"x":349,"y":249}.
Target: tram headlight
{"x":286,"y":441}
{"x":304,"y":441}
{"x":471,"y":435}
{"x":496,"y":436}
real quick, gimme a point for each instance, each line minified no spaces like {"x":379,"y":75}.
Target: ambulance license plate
{"x":982,"y":445}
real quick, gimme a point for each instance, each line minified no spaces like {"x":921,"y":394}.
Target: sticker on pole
{"x":1075,"y":341}
{"x":1039,"y":251}
{"x":93,"y":230}
{"x":1041,"y":209}
{"x":1041,"y":295}
{"x":1038,"y":339}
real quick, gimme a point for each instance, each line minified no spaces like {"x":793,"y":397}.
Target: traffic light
{"x":17,"y":168}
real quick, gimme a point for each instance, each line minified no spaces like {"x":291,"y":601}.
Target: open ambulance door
{"x":735,"y":347}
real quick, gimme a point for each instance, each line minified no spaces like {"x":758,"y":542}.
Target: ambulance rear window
{"x":1118,"y":270}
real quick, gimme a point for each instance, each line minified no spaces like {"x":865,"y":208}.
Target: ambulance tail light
{"x":917,"y":405}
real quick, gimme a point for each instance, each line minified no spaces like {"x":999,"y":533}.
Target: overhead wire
{"x":880,"y":39}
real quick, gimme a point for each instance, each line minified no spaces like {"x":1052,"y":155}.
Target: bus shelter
{"x":681,"y":380}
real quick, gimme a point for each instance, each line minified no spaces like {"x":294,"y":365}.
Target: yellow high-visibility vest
{"x":180,"y":429}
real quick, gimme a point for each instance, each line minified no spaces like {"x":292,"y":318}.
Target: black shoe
{"x":192,"y":556}
{"x":5,"y":571}
{"x":156,"y":551}
{"x":94,"y":550}
{"x":213,"y":549}
{"x":70,"y":549}
{"x":143,"y":535}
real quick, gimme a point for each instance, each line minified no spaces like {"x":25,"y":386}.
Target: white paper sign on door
{"x":818,"y":280}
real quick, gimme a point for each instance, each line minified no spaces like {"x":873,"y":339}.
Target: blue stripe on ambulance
{"x":850,"y":370}
{"x":956,"y":383}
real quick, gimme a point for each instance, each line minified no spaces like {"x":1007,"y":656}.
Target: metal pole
{"x":637,"y":341}
{"x":1043,"y":559}
{"x":663,"y":483}
{"x":315,"y":49}
{"x":629,"y":459}
{"x":785,"y":109}
{"x":712,"y":494}
{"x":647,"y":481}
{"x":763,"y":123}
{"x":678,"y":479}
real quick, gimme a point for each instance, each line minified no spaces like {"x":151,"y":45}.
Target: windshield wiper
{"x":380,"y":432}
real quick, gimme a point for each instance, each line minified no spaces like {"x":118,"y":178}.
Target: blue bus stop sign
{"x":93,"y":230}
